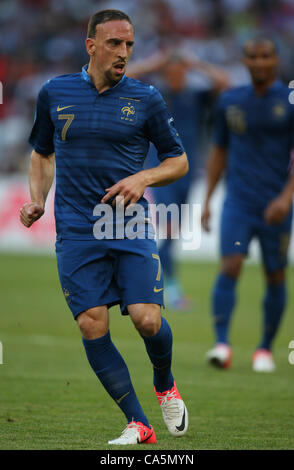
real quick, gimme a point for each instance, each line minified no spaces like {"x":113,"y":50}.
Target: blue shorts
{"x":239,"y":227}
{"x":109,"y":272}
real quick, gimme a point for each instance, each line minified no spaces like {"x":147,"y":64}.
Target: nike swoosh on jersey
{"x":64,"y":107}
{"x":118,"y":400}
{"x":182,"y":425}
{"x":157,"y":290}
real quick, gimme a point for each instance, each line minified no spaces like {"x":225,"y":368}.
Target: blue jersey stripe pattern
{"x":98,"y":139}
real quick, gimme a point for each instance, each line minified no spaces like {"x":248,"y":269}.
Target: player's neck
{"x":262,"y":87}
{"x":97,"y":78}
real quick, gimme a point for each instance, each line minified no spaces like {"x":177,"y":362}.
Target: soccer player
{"x":253,"y":140}
{"x":97,"y":126}
{"x":186,"y":105}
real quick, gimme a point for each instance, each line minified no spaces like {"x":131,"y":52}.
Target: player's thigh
{"x":236,"y":231}
{"x":86,"y":275}
{"x":139,"y":274}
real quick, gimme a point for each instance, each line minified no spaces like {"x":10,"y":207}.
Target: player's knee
{"x":149,"y":325}
{"x":231,"y":266}
{"x":148,"y":320}
{"x":275,"y":278}
{"x":91,"y":325}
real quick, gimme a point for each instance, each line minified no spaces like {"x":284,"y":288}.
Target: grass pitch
{"x":51,"y":399}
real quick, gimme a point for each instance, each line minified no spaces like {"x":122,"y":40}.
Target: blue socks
{"x":273,"y":305}
{"x":223,"y":302}
{"x":159,"y":349}
{"x":111,"y":370}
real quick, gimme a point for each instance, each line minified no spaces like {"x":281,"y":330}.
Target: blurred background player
{"x":254,"y":135}
{"x":187,"y":108}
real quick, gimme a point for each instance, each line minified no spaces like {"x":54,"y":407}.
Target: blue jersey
{"x":98,"y":139}
{"x":258,"y":132}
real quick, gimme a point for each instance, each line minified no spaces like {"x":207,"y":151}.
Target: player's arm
{"x":279,"y":207}
{"x":219,"y":78}
{"x":152,"y":64}
{"x":42,"y":163}
{"x":170,"y":170}
{"x":216,"y":165}
{"x":133,"y":187}
{"x":42,"y":168}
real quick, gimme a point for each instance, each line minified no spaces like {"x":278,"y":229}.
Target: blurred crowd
{"x":40,"y":39}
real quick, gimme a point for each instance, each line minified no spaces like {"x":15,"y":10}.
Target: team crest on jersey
{"x":236,"y":119}
{"x":279,"y":110}
{"x":128,"y":112}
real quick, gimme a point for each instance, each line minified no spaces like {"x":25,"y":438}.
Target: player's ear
{"x":90,"y":46}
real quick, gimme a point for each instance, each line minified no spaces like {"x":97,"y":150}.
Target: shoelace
{"x":128,"y":431}
{"x":171,"y":407}
{"x":167,"y":397}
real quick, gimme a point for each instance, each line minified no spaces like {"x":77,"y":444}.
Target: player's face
{"x":112,"y":48}
{"x":261,"y":61}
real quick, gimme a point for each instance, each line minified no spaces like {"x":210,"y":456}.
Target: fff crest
{"x":128,"y":110}
{"x":236,"y":119}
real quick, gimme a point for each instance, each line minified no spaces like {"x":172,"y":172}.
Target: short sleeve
{"x":42,"y":133}
{"x":220,"y":131}
{"x":160,"y":128}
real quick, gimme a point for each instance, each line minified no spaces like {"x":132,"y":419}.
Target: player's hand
{"x":276,"y":210}
{"x":30,"y":212}
{"x":130,"y":189}
{"x":205,"y":218}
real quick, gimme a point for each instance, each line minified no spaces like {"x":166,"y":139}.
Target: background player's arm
{"x":215,"y":168}
{"x":152,"y":64}
{"x":133,"y":187}
{"x":156,"y":63}
{"x":279,"y":207}
{"x":220,"y":80}
{"x":42,"y":168}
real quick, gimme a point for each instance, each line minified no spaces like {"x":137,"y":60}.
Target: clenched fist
{"x":30,"y":212}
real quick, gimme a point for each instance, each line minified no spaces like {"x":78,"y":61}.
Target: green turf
{"x":50,"y":398}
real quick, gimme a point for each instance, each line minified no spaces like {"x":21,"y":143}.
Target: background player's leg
{"x":108,"y":364}
{"x":165,"y":253}
{"x":158,"y":339}
{"x":274,"y":243}
{"x":273,"y":306}
{"x":224,"y":295}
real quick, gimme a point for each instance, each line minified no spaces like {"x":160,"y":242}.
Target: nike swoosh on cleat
{"x":157,"y":290}
{"x":147,"y":438}
{"x":182,"y":425}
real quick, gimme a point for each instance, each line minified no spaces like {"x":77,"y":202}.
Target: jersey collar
{"x":276,"y":85}
{"x":87,"y":78}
